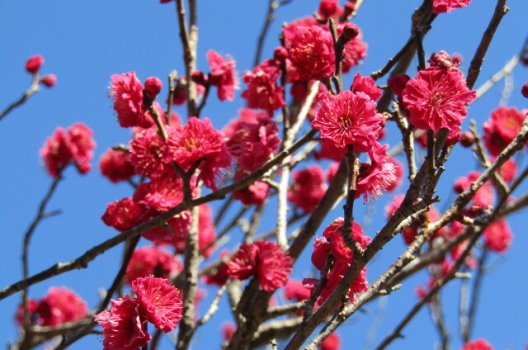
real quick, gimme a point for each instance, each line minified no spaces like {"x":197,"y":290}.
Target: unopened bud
{"x":467,"y":139}
{"x":153,"y":87}
{"x":524,"y":90}
{"x":327,"y":8}
{"x":350,"y":31}
{"x":49,"y":80}
{"x":34,"y":63}
{"x":199,"y":78}
{"x":280,"y":53}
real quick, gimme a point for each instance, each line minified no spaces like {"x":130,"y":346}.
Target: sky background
{"x":85,"y":42}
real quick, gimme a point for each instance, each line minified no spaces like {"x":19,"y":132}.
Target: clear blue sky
{"x":84,"y":42}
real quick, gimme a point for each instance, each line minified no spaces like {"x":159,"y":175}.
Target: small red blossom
{"x":223,"y":75}
{"x":206,"y":232}
{"x":498,"y":236}
{"x":308,"y":188}
{"x":34,"y":63}
{"x":479,"y":344}
{"x":348,"y":119}
{"x":441,"y":6}
{"x":151,"y":261}
{"x":524,"y":90}
{"x":329,"y":150}
{"x":508,"y":170}
{"x":177,"y":230}
{"x":262,"y":90}
{"x":484,"y":196}
{"x":263,"y":259}
{"x":159,"y":302}
{"x":254,"y":194}
{"x":59,"y":306}
{"x":253,"y":138}
{"x":116,"y":165}
{"x":332,"y":342}
{"x":355,"y":49}
{"x":124,"y":214}
{"x":296,"y":290}
{"x":127,"y":93}
{"x":153,"y":87}
{"x":327,"y":9}
{"x":366,"y":85}
{"x":123,"y":327}
{"x":161,"y":193}
{"x":199,"y":141}
{"x":437,"y":98}
{"x":378,"y":176}
{"x":502,"y":127}
{"x":49,"y":80}
{"x":150,"y":154}
{"x":73,"y":145}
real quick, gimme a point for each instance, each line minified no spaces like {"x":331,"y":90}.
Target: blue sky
{"x":84,"y":43}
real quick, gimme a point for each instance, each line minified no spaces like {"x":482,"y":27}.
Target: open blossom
{"x":59,"y":306}
{"x":501,"y":128}
{"x":116,"y":165}
{"x":498,"y":236}
{"x":262,"y":90}
{"x":159,"y":302}
{"x":508,"y":170}
{"x":74,"y":145}
{"x":479,"y":344}
{"x":123,"y":327}
{"x":151,"y":155}
{"x":223,"y":75}
{"x":151,"y":261}
{"x":308,"y":188}
{"x":253,"y":138}
{"x":263,"y":259}
{"x":253,"y":194}
{"x":441,"y":6}
{"x":437,"y":98}
{"x":124,"y":214}
{"x":484,"y":196}
{"x":161,"y":193}
{"x":178,"y":227}
{"x":296,"y":290}
{"x":127,"y":92}
{"x":348,"y":119}
{"x":199,"y":141}
{"x":366,"y":85}
{"x":310,"y":51}
{"x":378,"y":176}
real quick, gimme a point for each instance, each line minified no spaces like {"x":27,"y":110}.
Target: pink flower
{"x":367,"y":85}
{"x":437,"y":98}
{"x":333,"y":342}
{"x":399,"y":174}
{"x":116,"y":165}
{"x":308,"y":188}
{"x":228,"y":330}
{"x":296,"y":290}
{"x":127,"y":92}
{"x":178,"y":227}
{"x":206,"y":233}
{"x":348,"y":119}
{"x":123,"y":328}
{"x":262,"y":90}
{"x":484,"y":196}
{"x":59,"y":306}
{"x":498,"y":236}
{"x":150,"y":154}
{"x":502,"y":127}
{"x":378,"y":176}
{"x":355,"y":50}
{"x":124,"y":214}
{"x":161,"y":193}
{"x":329,"y":150}
{"x":199,"y":141}
{"x":441,"y":6}
{"x":254,"y":194}
{"x":223,"y":75}
{"x":49,"y":80}
{"x":159,"y":302}
{"x":253,"y":138}
{"x":273,"y":267}
{"x":310,"y":51}
{"x":263,"y":259}
{"x":479,"y":344}
{"x":508,"y":170}
{"x":73,"y":145}
{"x":151,"y":261}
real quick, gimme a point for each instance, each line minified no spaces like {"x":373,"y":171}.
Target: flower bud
{"x":49,"y":80}
{"x":199,"y":78}
{"x":34,"y":63}
{"x":467,"y":139}
{"x":524,"y":90}
{"x":280,"y":53}
{"x":153,"y":87}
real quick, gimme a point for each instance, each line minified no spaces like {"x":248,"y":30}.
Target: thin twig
{"x":33,"y":89}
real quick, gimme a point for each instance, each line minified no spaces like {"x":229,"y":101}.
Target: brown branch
{"x":478,"y":57}
{"x":273,"y":5}
{"x":474,"y":301}
{"x":282,"y":310}
{"x":83,"y":260}
{"x":33,"y":89}
{"x":501,"y":74}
